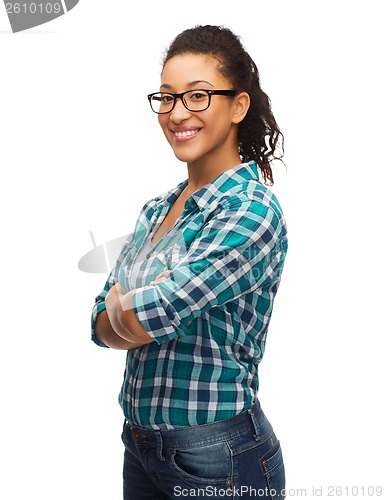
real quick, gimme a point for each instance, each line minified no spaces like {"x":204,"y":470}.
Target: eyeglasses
{"x":193,"y":100}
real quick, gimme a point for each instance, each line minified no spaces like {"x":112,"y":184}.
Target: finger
{"x":161,"y":277}
{"x":164,"y":274}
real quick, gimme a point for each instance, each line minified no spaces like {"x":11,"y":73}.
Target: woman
{"x":191,"y":295}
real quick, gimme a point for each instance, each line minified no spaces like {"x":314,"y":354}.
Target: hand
{"x":161,"y":277}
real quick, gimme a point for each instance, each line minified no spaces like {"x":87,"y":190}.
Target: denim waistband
{"x":200,"y":434}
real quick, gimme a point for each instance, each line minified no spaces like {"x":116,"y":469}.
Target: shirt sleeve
{"x":99,"y":304}
{"x":240,"y":249}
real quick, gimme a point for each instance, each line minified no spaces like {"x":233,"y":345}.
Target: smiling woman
{"x":201,"y":126}
{"x":191,"y":295}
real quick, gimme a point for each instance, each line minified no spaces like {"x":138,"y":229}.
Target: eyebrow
{"x":190,"y":84}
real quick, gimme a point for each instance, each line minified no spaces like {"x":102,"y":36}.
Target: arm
{"x":120,"y":325}
{"x":113,"y":323}
{"x":106,"y":334}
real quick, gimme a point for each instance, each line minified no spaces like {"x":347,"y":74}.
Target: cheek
{"x":162,"y":119}
{"x":163,"y":122}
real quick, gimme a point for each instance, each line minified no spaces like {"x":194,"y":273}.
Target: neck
{"x":201,"y":173}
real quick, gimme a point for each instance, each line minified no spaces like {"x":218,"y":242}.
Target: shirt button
{"x":148,"y":255}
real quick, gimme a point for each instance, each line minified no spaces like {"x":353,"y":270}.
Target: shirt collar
{"x":213,"y":190}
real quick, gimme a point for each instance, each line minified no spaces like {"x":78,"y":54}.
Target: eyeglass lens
{"x":194,"y":100}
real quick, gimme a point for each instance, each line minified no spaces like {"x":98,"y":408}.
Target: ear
{"x":241,"y":102}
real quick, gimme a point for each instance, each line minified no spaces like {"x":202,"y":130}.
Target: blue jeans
{"x":238,"y":458}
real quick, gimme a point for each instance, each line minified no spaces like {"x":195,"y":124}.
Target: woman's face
{"x":212,"y":133}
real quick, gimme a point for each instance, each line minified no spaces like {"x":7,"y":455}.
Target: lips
{"x":183,"y":134}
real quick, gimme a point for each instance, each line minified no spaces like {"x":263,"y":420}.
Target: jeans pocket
{"x":272,"y":466}
{"x":209,"y":465}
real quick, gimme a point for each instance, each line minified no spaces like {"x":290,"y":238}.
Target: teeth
{"x":187,"y":133}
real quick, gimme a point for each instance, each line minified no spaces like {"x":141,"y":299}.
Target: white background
{"x":81,"y":151}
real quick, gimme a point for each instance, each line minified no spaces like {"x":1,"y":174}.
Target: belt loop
{"x":159,"y":446}
{"x":254,"y":422}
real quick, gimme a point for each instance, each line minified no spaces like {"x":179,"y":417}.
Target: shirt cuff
{"x":97,"y":308}
{"x":157,"y":316}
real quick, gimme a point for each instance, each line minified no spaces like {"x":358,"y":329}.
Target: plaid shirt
{"x":209,"y":318}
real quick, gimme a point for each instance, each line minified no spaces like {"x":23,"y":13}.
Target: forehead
{"x":183,"y":69}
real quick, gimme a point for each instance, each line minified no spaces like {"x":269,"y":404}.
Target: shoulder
{"x":254,"y":200}
{"x":238,"y":188}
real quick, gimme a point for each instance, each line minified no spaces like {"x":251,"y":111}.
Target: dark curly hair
{"x":259,"y":136}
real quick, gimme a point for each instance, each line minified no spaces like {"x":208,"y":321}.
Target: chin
{"x":188,"y":155}
{"x":186,"y":158}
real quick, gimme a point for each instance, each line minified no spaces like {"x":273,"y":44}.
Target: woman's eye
{"x":199,"y":96}
{"x":166,"y":99}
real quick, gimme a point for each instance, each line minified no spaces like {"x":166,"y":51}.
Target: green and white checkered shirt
{"x":209,"y":318}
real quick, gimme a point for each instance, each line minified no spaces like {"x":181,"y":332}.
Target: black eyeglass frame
{"x":180,"y":96}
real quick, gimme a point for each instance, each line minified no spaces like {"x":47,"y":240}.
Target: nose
{"x":179,"y":112}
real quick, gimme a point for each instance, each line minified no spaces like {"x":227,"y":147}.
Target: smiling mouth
{"x":185,"y":133}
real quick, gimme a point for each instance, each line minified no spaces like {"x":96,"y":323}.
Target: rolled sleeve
{"x":156,"y":314}
{"x":96,"y":310}
{"x":240,"y":250}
